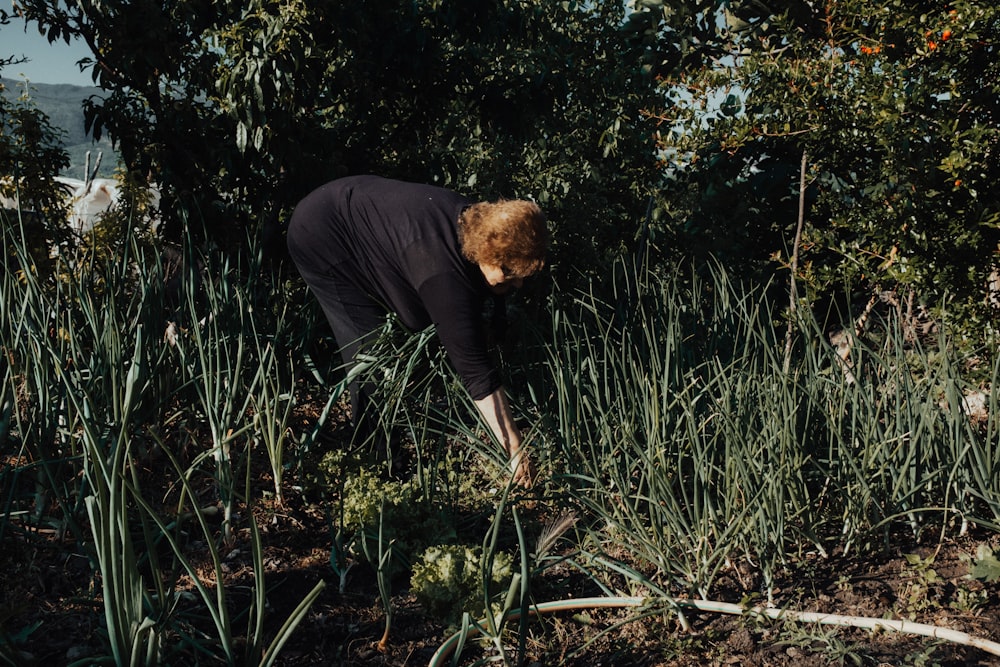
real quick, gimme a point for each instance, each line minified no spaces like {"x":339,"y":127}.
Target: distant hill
{"x":63,"y":104}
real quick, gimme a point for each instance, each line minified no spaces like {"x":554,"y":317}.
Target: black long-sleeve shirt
{"x":401,"y":241}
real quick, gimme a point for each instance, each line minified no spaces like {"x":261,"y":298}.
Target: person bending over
{"x":367,"y":246}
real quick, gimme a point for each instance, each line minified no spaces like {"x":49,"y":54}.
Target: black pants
{"x":354,"y":316}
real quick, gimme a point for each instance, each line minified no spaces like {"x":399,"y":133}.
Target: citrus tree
{"x":892,"y":108}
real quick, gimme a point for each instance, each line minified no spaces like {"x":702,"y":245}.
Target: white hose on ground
{"x":906,"y":627}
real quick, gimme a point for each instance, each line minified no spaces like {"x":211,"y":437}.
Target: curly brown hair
{"x":511,"y":234}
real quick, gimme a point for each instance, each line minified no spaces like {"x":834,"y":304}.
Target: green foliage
{"x":894,"y":106}
{"x":365,"y":493}
{"x":88,"y":390}
{"x":684,"y":435}
{"x":31,"y":155}
{"x":248,"y":106}
{"x":372,"y":506}
{"x":918,"y":592}
{"x":984,"y":565}
{"x":130,"y":219}
{"x":447,"y":580}
{"x":827,"y":643}
{"x":691,"y":446}
{"x":63,"y":105}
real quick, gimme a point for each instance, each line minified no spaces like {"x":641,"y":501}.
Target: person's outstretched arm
{"x":496,"y":411}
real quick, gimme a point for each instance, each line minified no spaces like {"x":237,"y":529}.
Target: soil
{"x":50,"y":605}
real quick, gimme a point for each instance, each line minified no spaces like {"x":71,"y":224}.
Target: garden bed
{"x":52,"y":604}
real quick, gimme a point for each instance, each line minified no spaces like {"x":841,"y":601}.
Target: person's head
{"x":508,"y":239}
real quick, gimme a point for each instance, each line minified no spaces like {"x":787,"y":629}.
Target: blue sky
{"x":49,"y":63}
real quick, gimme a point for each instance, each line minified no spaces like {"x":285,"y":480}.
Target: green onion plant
{"x":697,"y":446}
{"x":89,"y":388}
{"x":217,"y":359}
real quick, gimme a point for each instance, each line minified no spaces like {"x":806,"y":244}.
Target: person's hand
{"x":495,"y":410}
{"x":523,"y":468}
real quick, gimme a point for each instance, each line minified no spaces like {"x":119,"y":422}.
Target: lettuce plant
{"x":447,"y":580}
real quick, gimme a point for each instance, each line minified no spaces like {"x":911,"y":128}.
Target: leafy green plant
{"x":683,"y":463}
{"x":130,"y":612}
{"x":447,"y":580}
{"x":32,"y":306}
{"x":396,"y":511}
{"x":917,"y":593}
{"x":106,"y":390}
{"x":984,"y":565}
{"x":826,"y":642}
